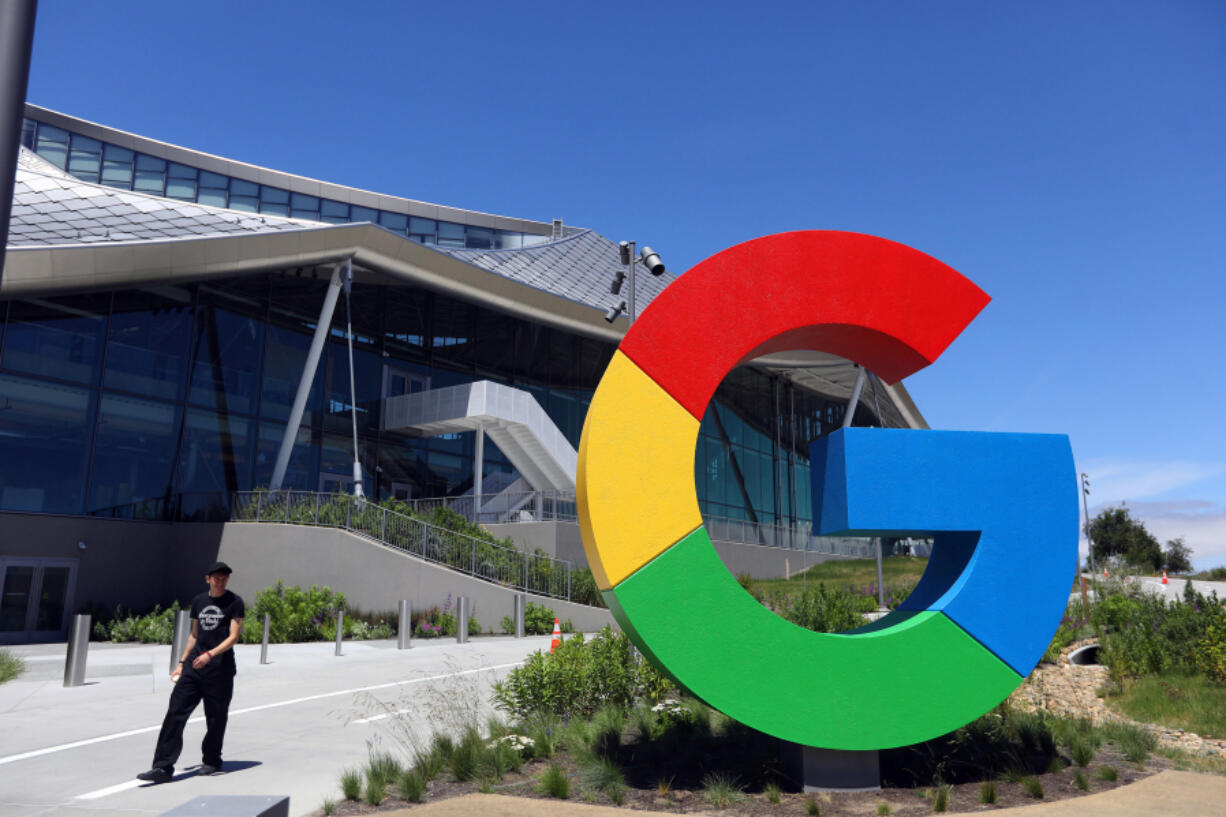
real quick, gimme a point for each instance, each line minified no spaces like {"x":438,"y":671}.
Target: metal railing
{"x":789,"y":537}
{"x":476,"y":557}
{"x":512,"y":506}
{"x":561,"y":506}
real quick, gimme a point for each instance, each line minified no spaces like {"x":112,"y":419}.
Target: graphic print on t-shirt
{"x":210,"y":617}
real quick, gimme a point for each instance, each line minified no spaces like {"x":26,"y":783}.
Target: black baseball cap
{"x":218,"y":567}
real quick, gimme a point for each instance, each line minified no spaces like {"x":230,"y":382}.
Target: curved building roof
{"x":68,"y":235}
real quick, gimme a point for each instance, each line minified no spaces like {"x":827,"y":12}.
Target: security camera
{"x":624,"y":250}
{"x":616,"y":286}
{"x":652,"y":261}
{"x":614,"y":311}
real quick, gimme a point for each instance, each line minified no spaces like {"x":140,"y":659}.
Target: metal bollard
{"x":461,"y":628}
{"x":183,"y":626}
{"x":406,"y":625}
{"x":340,"y":630}
{"x":78,"y":646}
{"x":264,"y":640}
{"x":521,"y":604}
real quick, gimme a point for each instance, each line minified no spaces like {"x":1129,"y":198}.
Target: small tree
{"x":1115,"y":533}
{"x":1178,"y":556}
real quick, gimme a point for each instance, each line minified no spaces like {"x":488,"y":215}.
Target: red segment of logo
{"x":882,"y":304}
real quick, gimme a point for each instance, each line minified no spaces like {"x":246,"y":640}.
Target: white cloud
{"x":1202,"y":525}
{"x":1116,"y":481}
{"x":1150,"y":491}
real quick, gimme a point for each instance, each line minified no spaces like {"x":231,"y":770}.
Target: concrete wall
{"x":560,"y":540}
{"x":372,"y":577}
{"x":136,"y":564}
{"x":563,"y":541}
{"x":762,"y":562}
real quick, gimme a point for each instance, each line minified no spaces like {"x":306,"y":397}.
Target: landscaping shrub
{"x":555,"y":783}
{"x":296,"y":614}
{"x":583,"y":589}
{"x":1142,"y":634}
{"x":156,"y":627}
{"x":1211,"y":652}
{"x":823,"y":609}
{"x":10,"y":666}
{"x":436,"y":622}
{"x":578,"y":678}
{"x":412,"y":785}
{"x":538,"y":620}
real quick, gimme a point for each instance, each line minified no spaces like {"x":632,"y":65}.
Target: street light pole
{"x":650,"y":259}
{"x":1085,"y":508}
{"x":634,"y":262}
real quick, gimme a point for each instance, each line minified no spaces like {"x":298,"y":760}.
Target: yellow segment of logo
{"x":636,"y":473}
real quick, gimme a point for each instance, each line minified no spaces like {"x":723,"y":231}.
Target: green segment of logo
{"x":870,"y":689}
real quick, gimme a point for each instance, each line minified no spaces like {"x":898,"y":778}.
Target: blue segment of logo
{"x":1001,"y":509}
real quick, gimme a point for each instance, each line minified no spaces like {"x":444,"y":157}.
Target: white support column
{"x":855,"y":397}
{"x":304,"y":383}
{"x":478,"y":469}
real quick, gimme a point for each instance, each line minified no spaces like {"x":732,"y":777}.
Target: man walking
{"x":206,"y":672}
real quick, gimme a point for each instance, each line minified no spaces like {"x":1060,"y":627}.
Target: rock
{"x":1071,"y":691}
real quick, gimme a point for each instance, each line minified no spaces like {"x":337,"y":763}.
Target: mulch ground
{"x":901,"y":801}
{"x":1060,"y":688}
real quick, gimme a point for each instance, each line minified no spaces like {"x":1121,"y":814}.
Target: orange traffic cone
{"x":1164,"y":579}
{"x":557,"y":636}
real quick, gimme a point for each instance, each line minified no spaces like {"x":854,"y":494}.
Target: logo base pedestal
{"x":832,"y":770}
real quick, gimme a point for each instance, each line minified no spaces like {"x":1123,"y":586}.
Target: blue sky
{"x":1067,"y":157}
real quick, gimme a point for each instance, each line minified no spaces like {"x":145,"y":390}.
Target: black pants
{"x":215,"y":688}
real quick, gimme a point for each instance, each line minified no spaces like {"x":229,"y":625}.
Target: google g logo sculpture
{"x":1001,"y":507}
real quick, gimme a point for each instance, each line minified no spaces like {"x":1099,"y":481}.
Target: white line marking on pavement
{"x":116,"y":789}
{"x":291,"y":702}
{"x":374,"y":718}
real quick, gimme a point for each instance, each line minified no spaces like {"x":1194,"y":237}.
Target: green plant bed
{"x":1178,"y":700}
{"x":855,"y":573}
{"x":10,"y":666}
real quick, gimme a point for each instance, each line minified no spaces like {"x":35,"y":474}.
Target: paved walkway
{"x":1169,"y":794}
{"x":295,"y":723}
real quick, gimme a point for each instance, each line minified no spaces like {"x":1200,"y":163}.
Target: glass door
{"x":35,"y":598}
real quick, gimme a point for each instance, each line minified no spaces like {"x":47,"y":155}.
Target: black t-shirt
{"x":213,"y":617}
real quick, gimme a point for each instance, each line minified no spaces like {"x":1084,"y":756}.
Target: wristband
{"x":209,"y":654}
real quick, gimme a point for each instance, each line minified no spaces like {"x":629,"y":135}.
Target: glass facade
{"x":103,"y":163}
{"x":164,"y":400}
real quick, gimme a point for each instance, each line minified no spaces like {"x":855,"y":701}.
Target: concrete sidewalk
{"x":1169,"y":794}
{"x":295,"y":723}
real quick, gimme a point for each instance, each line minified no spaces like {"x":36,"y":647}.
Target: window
{"x":147,"y":343}
{"x":274,"y":201}
{"x":181,"y":182}
{"x":213,"y":189}
{"x":244,"y":196}
{"x":60,"y":339}
{"x":450,"y":235}
{"x":422,"y":230}
{"x":396,"y":222}
{"x":334,"y":212}
{"x":52,"y":145}
{"x":304,"y":206}
{"x":133,"y":451}
{"x":478,"y":238}
{"x":117,"y":164}
{"x":85,"y":158}
{"x":46,"y":427}
{"x":150,"y":175}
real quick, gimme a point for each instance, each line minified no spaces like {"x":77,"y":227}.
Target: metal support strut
{"x":304,"y":383}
